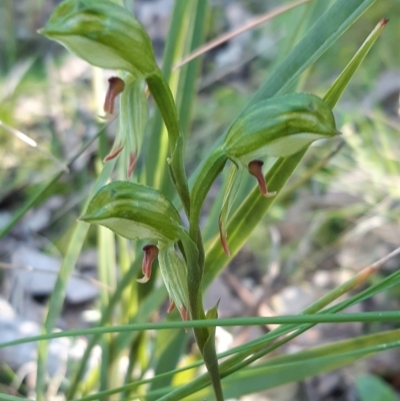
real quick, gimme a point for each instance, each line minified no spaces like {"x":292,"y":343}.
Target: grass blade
{"x":329,"y":27}
{"x":337,"y":89}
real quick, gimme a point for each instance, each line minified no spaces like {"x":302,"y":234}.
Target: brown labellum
{"x":255,"y":168}
{"x":115,"y":87}
{"x":150,"y":254}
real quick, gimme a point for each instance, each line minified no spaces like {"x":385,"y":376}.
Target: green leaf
{"x":370,"y":388}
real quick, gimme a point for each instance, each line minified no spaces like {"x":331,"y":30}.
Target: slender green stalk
{"x":391,"y":316}
{"x":204,"y":336}
{"x":165,"y":102}
{"x":207,"y":175}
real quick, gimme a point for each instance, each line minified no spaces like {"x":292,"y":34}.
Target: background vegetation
{"x":337,"y":215}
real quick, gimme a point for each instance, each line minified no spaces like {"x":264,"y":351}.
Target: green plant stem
{"x":195,"y":288}
{"x":155,"y":155}
{"x":205,"y":178}
{"x":211,"y":169}
{"x":204,"y":339}
{"x":163,"y":97}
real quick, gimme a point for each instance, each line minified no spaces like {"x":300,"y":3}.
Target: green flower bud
{"x":279,"y":127}
{"x":135,"y":212}
{"x":102,"y":33}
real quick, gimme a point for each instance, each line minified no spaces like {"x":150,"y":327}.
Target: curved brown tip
{"x":113,"y":154}
{"x":131,"y":164}
{"x":150,"y":254}
{"x":255,"y":169}
{"x":115,"y":86}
